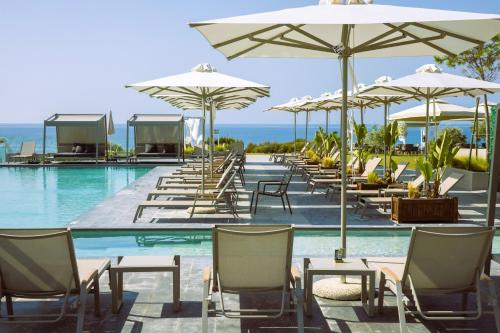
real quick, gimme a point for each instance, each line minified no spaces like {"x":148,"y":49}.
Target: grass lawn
{"x":411,"y":159}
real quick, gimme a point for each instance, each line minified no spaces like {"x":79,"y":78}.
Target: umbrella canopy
{"x":327,"y":31}
{"x":430,"y":82}
{"x":201,"y":87}
{"x":439,"y":111}
{"x":326,"y":103}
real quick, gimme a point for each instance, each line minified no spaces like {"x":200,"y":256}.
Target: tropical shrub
{"x":327,"y":162}
{"x":375,"y":139}
{"x":114,"y":149}
{"x":188,"y":150}
{"x":361,"y":153}
{"x":456,"y":136}
{"x":373,"y":178}
{"x":390,"y":139}
{"x":476,"y":164}
{"x":413,"y":191}
{"x":274,"y":147}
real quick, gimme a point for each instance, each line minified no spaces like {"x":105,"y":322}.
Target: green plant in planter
{"x":361,"y":153}
{"x":310,"y":154}
{"x":373,"y":178}
{"x":425,"y":168}
{"x":440,"y":158}
{"x":188,"y":150}
{"x":390,"y":139}
{"x":315,"y":159}
{"x":327,"y":162}
{"x":413,"y":191}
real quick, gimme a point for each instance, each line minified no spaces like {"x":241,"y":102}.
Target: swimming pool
{"x":53,"y":196}
{"x":360,"y":243}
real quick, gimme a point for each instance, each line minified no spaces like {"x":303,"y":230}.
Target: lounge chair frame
{"x":291,"y":285}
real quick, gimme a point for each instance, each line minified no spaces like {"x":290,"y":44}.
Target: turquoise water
{"x":360,"y":243}
{"x":54,"y":196}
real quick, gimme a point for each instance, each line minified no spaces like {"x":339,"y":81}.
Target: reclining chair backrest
{"x":446,"y":260}
{"x":450,"y":182}
{"x":251,"y":257}
{"x":27,"y":148}
{"x":37,"y":262}
{"x":226,"y":173}
{"x":229,"y":183}
{"x":371,"y":165}
{"x":399,"y":171}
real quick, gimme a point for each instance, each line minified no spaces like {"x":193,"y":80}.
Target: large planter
{"x":424,"y":210}
{"x":366,"y":186}
{"x":471,"y":181}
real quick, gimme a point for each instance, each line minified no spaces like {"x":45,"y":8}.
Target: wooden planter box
{"x":366,"y":186}
{"x":424,"y":210}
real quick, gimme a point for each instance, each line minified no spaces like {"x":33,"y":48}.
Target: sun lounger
{"x":441,"y":262}
{"x":26,"y":153}
{"x":254,"y":260}
{"x":326,"y":180}
{"x":403,"y":191}
{"x":41,"y":264}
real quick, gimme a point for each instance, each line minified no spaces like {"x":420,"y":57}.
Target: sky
{"x":77,"y":56}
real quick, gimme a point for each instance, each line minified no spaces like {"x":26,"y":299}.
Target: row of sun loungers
{"x":183,"y":189}
{"x":253,"y":259}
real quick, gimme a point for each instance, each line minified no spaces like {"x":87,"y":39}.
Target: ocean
{"x":17,"y":133}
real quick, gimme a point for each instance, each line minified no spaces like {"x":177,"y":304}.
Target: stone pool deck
{"x":309,"y":210}
{"x":148,"y":308}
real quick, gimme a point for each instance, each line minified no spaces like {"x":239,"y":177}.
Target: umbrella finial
{"x":383,"y":79}
{"x":204,"y":68}
{"x":428,"y":68}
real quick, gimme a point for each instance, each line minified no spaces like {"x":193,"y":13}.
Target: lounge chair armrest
{"x":271,"y":184}
{"x":390,"y":275}
{"x":265,"y":182}
{"x":207,"y":272}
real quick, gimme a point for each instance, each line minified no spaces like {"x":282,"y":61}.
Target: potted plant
{"x":361,"y":153}
{"x":429,"y":206}
{"x":327,"y":163}
{"x":373,"y":182}
{"x":390,"y":139}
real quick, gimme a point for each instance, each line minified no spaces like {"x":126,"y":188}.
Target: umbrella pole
{"x":307,"y":123}
{"x":343,"y":158}
{"x":203,"y":146}
{"x":295,"y":133}
{"x":426,"y":142}
{"x":326,"y":125}
{"x":212,"y":138}
{"x":361,"y":112}
{"x":386,"y":108}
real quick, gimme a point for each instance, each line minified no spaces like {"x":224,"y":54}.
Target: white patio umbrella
{"x":440,"y":110}
{"x":303,"y":106}
{"x":290,"y":107}
{"x":332,"y":30}
{"x":111,"y":124}
{"x":326,"y":103}
{"x":200,"y":87}
{"x":429,"y":82}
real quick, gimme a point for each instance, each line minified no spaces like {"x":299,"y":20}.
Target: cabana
{"x":157,"y":135}
{"x":78,"y":135}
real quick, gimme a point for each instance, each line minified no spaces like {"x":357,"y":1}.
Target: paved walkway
{"x":312,"y":210}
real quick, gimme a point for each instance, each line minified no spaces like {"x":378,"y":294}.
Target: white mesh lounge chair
{"x":449,"y":182}
{"x":41,"y":264}
{"x":399,"y":171}
{"x":438,"y":263}
{"x":331,"y":178}
{"x":239,"y":267}
{"x":26,"y":153}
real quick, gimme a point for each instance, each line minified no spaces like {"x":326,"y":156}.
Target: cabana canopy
{"x":78,"y":135}
{"x":157,"y":135}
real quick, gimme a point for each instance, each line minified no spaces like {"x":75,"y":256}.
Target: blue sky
{"x":76,"y":57}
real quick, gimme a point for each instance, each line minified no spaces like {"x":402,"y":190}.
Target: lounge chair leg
{"x":10,"y":306}
{"x":97,"y":300}
{"x":288,"y":201}
{"x":300,"y":310}
{"x":81,"y":308}
{"x":381,"y":290}
{"x":494,"y":303}
{"x":313,"y":188}
{"x":283,"y":202}
{"x":256,"y":201}
{"x":401,"y":308}
{"x":465,"y":298}
{"x":204,"y":309}
{"x":138,"y":213}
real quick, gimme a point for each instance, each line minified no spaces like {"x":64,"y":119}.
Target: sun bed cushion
{"x":78,"y":149}
{"x":202,"y":210}
{"x":149,"y":148}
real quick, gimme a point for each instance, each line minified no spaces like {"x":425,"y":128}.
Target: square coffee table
{"x":144,"y":264}
{"x":351,"y":267}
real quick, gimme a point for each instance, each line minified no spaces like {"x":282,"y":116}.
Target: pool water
{"x":360,"y":243}
{"x":54,"y":196}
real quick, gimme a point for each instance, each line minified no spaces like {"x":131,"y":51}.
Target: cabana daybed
{"x":79,"y":136}
{"x":157,"y":135}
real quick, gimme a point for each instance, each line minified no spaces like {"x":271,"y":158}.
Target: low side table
{"x":144,"y":264}
{"x":351,"y":267}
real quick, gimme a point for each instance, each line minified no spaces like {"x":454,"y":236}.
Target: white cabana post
{"x":326,"y":31}
{"x":199,"y":87}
